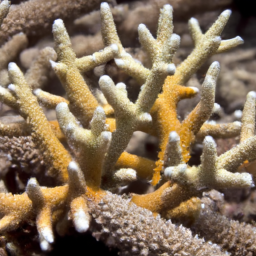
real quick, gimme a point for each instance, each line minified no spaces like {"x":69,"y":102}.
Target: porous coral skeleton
{"x":98,"y":161}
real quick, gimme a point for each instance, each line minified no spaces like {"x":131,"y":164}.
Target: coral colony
{"x":97,"y":133}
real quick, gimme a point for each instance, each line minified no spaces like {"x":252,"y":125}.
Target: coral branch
{"x":124,"y":60}
{"x":48,"y":100}
{"x":36,"y":17}
{"x":170,"y":240}
{"x":210,"y":42}
{"x":95,"y":127}
{"x":78,"y":206}
{"x":89,"y":146}
{"x":208,"y":174}
{"x":15,"y":209}
{"x":237,"y":238}
{"x":143,"y":166}
{"x":224,"y":131}
{"x":4,"y":9}
{"x":12,"y":48}
{"x":57,"y":157}
{"x":248,"y":118}
{"x":203,"y":110}
{"x":173,"y":154}
{"x":36,"y":76}
{"x":82,"y":101}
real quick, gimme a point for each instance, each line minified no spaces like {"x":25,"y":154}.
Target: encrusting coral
{"x":95,"y":164}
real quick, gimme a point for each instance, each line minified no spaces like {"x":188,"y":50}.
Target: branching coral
{"x":35,"y":17}
{"x":98,"y":132}
{"x":137,"y":236}
{"x":238,"y":238}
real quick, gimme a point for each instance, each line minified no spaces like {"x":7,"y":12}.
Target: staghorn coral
{"x":43,"y":14}
{"x":238,"y":238}
{"x":133,"y":230}
{"x":129,"y":17}
{"x":98,"y":128}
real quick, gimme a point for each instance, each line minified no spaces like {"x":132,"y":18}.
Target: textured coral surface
{"x":124,"y":134}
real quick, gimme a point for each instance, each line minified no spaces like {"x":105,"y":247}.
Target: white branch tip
{"x":73,"y":167}
{"x":239,"y":39}
{"x":141,"y":28}
{"x":226,"y":13}
{"x":168,"y":172}
{"x":37,"y":91}
{"x":47,"y":234}
{"x":119,"y":62}
{"x":146,"y":117}
{"x":252,"y":94}
{"x":106,"y":135}
{"x":238,"y":114}
{"x":210,"y":122}
{"x":81,"y":221}
{"x":4,"y":3}
{"x":126,"y":175}
{"x":171,"y":69}
{"x":63,"y":106}
{"x":13,"y":67}
{"x":99,"y":110}
{"x":11,"y":87}
{"x":213,"y":72}
{"x":175,"y":38}
{"x":105,"y":6}
{"x":121,"y":86}
{"x":209,"y":141}
{"x":168,"y":7}
{"x":45,"y":246}
{"x":53,"y":63}
{"x":237,"y":123}
{"x":58,"y":23}
{"x":105,"y":80}
{"x":193,"y":21}
{"x":247,"y":177}
{"x":216,"y":108}
{"x":174,"y":137}
{"x":32,"y":182}
{"x":196,"y":90}
{"x":215,"y":64}
{"x":131,"y":173}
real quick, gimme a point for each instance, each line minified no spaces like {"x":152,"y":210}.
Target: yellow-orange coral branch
{"x":168,"y":196}
{"x":143,"y":166}
{"x":55,"y":154}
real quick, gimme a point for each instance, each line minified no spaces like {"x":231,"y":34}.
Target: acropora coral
{"x":84,"y":150}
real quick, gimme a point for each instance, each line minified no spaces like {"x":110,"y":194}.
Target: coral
{"x":35,"y":17}
{"x":237,"y":238}
{"x":11,"y":49}
{"x":36,"y":75}
{"x":128,"y":18}
{"x":84,"y":151}
{"x":133,"y":230}
{"x":22,"y":152}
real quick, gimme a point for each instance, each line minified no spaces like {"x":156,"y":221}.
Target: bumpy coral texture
{"x":97,"y":127}
{"x":133,"y":229}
